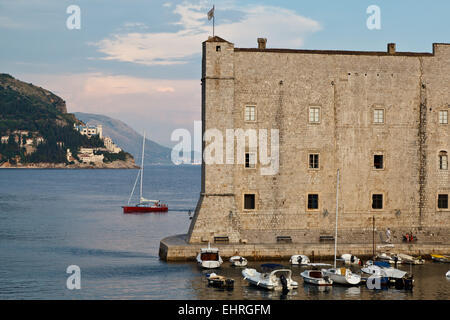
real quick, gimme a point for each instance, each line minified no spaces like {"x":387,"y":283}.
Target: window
{"x":378,"y":161}
{"x":250,"y":160}
{"x":314,"y":114}
{"x":313,"y":201}
{"x":378,"y":115}
{"x":314,"y":161}
{"x":443,"y":117}
{"x":443,"y":160}
{"x":249,"y":202}
{"x":377,"y":201}
{"x":250,"y":113}
{"x":218,"y":48}
{"x":443,"y":201}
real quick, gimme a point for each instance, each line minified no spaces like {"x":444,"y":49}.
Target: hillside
{"x":127,"y":138}
{"x":36,"y":130}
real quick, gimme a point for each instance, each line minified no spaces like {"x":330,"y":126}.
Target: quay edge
{"x":176,"y":248}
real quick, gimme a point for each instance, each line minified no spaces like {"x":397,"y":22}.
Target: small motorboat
{"x":299,"y":259}
{"x":217,"y":281}
{"x":392,"y":259}
{"x":238,"y":261}
{"x":381,"y":269}
{"x":350,"y":259}
{"x":272,"y":277}
{"x":410,"y":259}
{"x":316,"y":277}
{"x":318,"y":265}
{"x":342,"y":276}
{"x":440,"y":258}
{"x":209,"y":258}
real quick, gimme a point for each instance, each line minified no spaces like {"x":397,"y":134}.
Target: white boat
{"x":238,"y":261}
{"x":209,"y":258}
{"x":318,"y":265}
{"x":448,"y":274}
{"x":383,"y":269}
{"x":350,"y":259}
{"x":275,"y":277}
{"x":215,"y":280}
{"x":389,"y":258}
{"x":299,"y":259}
{"x":410,"y":259}
{"x":341,"y":275}
{"x":316,"y":277}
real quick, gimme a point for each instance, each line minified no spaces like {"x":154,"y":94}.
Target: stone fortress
{"x":381,"y":118}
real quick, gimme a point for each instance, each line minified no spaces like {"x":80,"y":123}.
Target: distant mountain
{"x":127,"y":138}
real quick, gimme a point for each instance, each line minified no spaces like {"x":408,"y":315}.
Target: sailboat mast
{"x":337,"y":211}
{"x":142,"y":166}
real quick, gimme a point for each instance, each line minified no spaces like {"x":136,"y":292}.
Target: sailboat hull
{"x":129,"y":209}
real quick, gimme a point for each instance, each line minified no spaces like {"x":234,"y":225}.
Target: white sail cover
{"x":147,"y":200}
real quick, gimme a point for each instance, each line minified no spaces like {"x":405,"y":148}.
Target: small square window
{"x":443,"y":201}
{"x":313,"y":201}
{"x":377,"y":201}
{"x":250,"y":113}
{"x":443,"y":117}
{"x":314,"y":161}
{"x":250,"y":160}
{"x":218,"y":48}
{"x":378,"y":115}
{"x":249,"y":202}
{"x":314,"y":115}
{"x":378,"y":161}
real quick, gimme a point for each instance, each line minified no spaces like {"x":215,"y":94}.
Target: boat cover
{"x":382,"y":264}
{"x":272,"y":266}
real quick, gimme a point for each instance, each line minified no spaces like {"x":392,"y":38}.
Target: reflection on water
{"x":50,"y":219}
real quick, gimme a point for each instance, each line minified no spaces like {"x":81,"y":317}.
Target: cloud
{"x":282,"y":27}
{"x":157,"y":105}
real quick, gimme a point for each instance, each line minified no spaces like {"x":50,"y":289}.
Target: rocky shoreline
{"x":119,"y":164}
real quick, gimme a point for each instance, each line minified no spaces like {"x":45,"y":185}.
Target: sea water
{"x":52,"y":219}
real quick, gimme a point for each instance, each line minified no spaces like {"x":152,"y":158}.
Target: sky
{"x":139,"y":61}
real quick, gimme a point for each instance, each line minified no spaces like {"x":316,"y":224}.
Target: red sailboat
{"x":144,"y":205}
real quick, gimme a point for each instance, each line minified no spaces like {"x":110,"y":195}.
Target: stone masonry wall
{"x":346,"y":86}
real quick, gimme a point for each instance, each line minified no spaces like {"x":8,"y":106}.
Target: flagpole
{"x":214,"y":18}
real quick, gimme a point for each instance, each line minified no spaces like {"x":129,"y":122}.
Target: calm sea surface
{"x":50,"y":219}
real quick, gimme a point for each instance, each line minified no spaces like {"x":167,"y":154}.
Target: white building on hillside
{"x":111,"y":146}
{"x":90,"y":130}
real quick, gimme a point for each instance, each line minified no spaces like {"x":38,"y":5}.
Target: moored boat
{"x":448,"y":274}
{"x":440,"y":258}
{"x":299,"y":259}
{"x":218,"y":281}
{"x":342,"y":276}
{"x":400,"y":278}
{"x":272,"y":277}
{"x":392,"y":259}
{"x":316,"y":277}
{"x":350,"y":259}
{"x":238,"y":261}
{"x":209,"y":258}
{"x":410,"y":259}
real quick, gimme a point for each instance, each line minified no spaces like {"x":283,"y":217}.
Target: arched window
{"x":443,"y":160}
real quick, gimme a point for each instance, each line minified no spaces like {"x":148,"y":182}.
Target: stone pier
{"x":176,"y":248}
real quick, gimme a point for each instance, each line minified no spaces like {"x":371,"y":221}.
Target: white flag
{"x":211,"y":13}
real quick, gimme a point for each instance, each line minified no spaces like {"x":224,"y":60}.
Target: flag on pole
{"x":211,"y":13}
